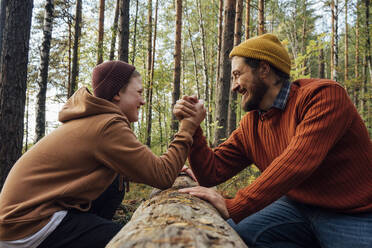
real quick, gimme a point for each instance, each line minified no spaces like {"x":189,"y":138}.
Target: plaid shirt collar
{"x":282,"y":98}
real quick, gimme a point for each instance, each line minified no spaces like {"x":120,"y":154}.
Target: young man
{"x":47,"y":198}
{"x":311,"y":146}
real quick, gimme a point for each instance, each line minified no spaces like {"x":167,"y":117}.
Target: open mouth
{"x":242,"y":91}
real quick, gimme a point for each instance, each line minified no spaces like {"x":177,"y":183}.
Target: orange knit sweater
{"x":317,"y":151}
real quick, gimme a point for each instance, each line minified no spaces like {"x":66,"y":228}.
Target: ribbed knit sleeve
{"x":212,"y":167}
{"x":324,"y":113}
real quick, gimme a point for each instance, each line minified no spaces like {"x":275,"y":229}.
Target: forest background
{"x":180,"y":47}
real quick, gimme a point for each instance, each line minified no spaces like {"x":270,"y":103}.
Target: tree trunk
{"x":177,"y":62}
{"x":165,"y":101}
{"x":151,"y":72}
{"x":223,"y":87}
{"x":368,"y":64}
{"x":101,"y":29}
{"x":69,"y":22}
{"x":346,"y":76}
{"x":261,"y":17}
{"x":160,"y":111}
{"x":368,"y":39}
{"x":303,"y":40}
{"x":205,"y":70}
{"x":13,"y":82}
{"x":149,"y":62}
{"x":27,"y":119}
{"x":124,"y":30}
{"x":231,"y":119}
{"x":334,"y":42}
{"x":2,"y":22}
{"x":247,"y":18}
{"x":114,"y":31}
{"x":43,"y":70}
{"x":220,"y":26}
{"x":332,"y":38}
{"x":363,"y":88}
{"x":196,"y":76}
{"x":356,"y":85}
{"x":135,"y":34}
{"x":172,"y":219}
{"x":75,"y":53}
{"x":321,"y":67}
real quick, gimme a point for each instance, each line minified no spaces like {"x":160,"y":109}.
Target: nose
{"x":235,"y":86}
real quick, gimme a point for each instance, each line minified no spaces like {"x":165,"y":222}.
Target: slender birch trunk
{"x":321,"y":64}
{"x":27,"y":119}
{"x":114,"y":31}
{"x":43,"y":70}
{"x":368,"y":38}
{"x":334,"y":41}
{"x":101,"y":24}
{"x":75,"y":55}
{"x":356,"y":85}
{"x":261,"y":17}
{"x":207,"y":99}
{"x":195,"y":65}
{"x":346,"y":72}
{"x":151,"y":79}
{"x":135,"y":34}
{"x":247,"y":18}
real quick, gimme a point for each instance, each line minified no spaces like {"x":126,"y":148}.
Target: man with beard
{"x":310,"y":144}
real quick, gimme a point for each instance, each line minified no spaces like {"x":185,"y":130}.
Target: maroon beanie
{"x":109,"y":77}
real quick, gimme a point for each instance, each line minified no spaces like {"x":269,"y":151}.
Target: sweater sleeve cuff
{"x":188,"y":126}
{"x":235,"y":210}
{"x":198,"y":132}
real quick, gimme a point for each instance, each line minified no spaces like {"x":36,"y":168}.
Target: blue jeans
{"x":289,"y":224}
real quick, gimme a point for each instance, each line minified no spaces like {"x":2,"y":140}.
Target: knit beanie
{"x":265,"y":47}
{"x":109,"y":77}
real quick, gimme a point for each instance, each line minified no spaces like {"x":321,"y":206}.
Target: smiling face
{"x":130,"y":99}
{"x":245,"y":80}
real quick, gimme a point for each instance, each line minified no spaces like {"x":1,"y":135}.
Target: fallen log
{"x":174,"y":220}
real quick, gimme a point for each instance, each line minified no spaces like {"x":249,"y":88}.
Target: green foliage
{"x":300,"y":67}
{"x":229,"y":188}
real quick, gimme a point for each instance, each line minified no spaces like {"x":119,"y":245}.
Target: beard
{"x":253,"y":97}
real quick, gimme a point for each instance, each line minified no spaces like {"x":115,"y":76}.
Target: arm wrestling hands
{"x":187,"y":107}
{"x":192,"y":109}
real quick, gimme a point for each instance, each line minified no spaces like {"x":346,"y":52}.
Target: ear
{"x":264,"y":69}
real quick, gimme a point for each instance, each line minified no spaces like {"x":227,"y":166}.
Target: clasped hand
{"x":189,"y":107}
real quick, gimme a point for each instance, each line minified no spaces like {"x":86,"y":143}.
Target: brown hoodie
{"x":75,"y":163}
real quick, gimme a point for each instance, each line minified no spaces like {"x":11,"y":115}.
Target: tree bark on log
{"x":172,"y":219}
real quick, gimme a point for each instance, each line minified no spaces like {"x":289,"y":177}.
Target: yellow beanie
{"x":265,"y":47}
